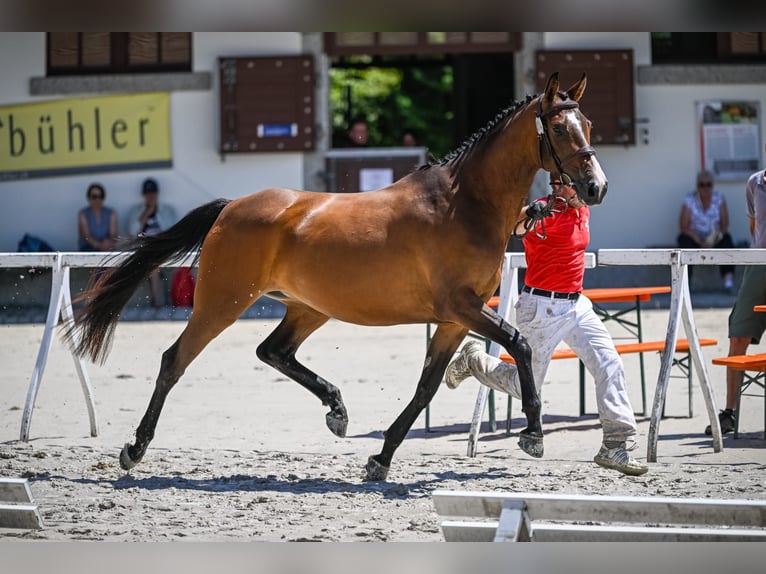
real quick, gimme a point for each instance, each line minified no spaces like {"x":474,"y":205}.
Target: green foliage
{"x":393,"y":100}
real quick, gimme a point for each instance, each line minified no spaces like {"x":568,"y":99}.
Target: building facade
{"x":648,"y":177}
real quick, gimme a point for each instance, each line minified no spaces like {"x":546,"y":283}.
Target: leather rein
{"x":544,"y":140}
{"x":553,"y":203}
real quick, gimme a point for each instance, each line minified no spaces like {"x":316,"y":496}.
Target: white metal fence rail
{"x":681,"y":309}
{"x":60,"y":305}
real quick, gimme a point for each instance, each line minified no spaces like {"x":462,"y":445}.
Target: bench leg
{"x":742,"y":387}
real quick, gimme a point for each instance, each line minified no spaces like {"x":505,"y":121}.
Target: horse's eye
{"x":559,"y":130}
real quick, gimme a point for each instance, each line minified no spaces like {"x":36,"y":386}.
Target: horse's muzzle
{"x":593,"y":192}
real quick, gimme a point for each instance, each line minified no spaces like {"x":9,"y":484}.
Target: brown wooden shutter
{"x":609,"y":99}
{"x":267,"y":104}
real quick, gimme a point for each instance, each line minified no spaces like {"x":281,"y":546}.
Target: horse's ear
{"x":552,"y":87}
{"x":576,"y":91}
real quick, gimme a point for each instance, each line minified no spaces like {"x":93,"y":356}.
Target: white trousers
{"x":545,"y":322}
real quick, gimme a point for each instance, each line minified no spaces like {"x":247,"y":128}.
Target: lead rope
{"x":528,"y":223}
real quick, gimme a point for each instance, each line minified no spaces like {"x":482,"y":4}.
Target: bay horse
{"x":427,"y":248}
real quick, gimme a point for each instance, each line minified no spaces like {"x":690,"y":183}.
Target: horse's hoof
{"x":375,"y":470}
{"x":336,"y":424}
{"x":531,"y":444}
{"x":125,"y":461}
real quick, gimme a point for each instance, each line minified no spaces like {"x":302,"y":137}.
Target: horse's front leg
{"x":279,"y":348}
{"x":445,"y":341}
{"x":491,"y":325}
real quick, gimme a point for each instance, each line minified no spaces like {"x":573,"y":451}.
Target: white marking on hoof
{"x":532,"y":445}
{"x":125,"y":461}
{"x":336,"y":424}
{"x":375,"y":470}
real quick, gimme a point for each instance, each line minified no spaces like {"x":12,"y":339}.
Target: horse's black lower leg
{"x":131,"y":455}
{"x":491,"y":325}
{"x":278,"y":351}
{"x":531,"y":438}
{"x":443,"y":345}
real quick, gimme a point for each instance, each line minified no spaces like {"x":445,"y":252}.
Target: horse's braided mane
{"x":481,"y":136}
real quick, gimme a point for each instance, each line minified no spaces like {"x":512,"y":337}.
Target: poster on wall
{"x":85,"y":135}
{"x":730,"y":138}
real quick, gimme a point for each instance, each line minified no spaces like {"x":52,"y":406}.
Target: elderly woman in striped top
{"x":704,"y":222}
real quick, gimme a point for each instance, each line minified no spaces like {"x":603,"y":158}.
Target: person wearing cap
{"x":149,"y":218}
{"x":551,"y":309}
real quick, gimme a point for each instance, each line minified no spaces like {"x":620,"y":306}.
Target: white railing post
{"x":54,"y":309}
{"x":60,"y":305}
{"x":680,"y":306}
{"x":67,"y":314}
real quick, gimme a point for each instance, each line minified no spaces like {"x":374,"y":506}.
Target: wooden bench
{"x":537,"y":517}
{"x":753,"y":368}
{"x":17,"y":509}
{"x":683,"y":363}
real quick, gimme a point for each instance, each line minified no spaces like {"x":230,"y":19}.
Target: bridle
{"x":544,"y":139}
{"x":553,"y":202}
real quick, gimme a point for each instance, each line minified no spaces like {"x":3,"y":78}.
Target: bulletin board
{"x":730,"y":138}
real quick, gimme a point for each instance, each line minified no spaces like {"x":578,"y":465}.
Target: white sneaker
{"x":619,"y":459}
{"x":459,"y":370}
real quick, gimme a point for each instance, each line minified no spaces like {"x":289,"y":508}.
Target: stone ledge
{"x":121,"y":83}
{"x":701,"y":74}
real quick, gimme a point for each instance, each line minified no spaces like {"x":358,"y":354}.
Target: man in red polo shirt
{"x":551,"y":309}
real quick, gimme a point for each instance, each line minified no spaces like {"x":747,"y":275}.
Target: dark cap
{"x":149,"y":186}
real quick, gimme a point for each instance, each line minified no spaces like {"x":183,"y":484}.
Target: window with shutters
{"x":80,"y":53}
{"x":609,"y":99}
{"x":708,"y":47}
{"x":377,"y":43}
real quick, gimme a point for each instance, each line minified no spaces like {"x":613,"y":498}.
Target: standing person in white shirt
{"x":746,"y":325}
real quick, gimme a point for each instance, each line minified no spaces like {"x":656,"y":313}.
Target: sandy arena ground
{"x":242,"y":453}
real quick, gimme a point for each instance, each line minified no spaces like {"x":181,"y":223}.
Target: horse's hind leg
{"x":203,"y":327}
{"x":279,"y":348}
{"x":131,"y":455}
{"x":443,"y":345}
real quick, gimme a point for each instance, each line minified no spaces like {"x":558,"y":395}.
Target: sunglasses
{"x":95,"y":197}
{"x":705,"y":184}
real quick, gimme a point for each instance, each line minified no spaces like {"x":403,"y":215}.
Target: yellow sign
{"x":85,"y":135}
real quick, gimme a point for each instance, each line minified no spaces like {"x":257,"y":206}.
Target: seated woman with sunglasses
{"x":704,"y":223}
{"x":97,"y":223}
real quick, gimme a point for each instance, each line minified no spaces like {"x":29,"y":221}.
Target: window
{"x":708,"y":47}
{"x":79,"y":53}
{"x":349,"y":43}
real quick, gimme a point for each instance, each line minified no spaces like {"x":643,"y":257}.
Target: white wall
{"x":48,"y":206}
{"x":647,"y":182}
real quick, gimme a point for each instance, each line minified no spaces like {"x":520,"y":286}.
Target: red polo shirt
{"x":557,"y":263}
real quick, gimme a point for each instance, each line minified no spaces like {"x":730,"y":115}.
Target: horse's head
{"x":564,"y":134}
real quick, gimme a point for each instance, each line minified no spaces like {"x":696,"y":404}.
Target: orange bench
{"x":684,"y":363}
{"x":747,"y":364}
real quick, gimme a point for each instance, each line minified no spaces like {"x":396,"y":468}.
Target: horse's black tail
{"x":92,"y":333}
